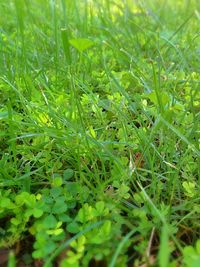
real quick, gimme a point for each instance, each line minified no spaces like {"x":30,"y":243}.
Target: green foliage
{"x":164,"y":251}
{"x":189,"y":188}
{"x":11,"y":259}
{"x":99,"y":132}
{"x":191,"y":255}
{"x":81,"y":44}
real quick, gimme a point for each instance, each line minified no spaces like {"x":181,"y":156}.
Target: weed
{"x":99,"y":132}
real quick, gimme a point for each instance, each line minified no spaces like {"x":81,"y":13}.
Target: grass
{"x":99,"y":140}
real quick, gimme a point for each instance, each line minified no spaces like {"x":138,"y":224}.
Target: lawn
{"x":99,"y":133}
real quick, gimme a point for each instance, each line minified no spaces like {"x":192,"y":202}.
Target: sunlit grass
{"x":99,"y":110}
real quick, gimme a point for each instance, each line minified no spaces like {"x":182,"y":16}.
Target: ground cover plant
{"x":99,"y":133}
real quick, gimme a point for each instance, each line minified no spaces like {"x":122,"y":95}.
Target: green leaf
{"x":49,"y":248}
{"x":189,"y":188}
{"x":50,"y":221}
{"x":60,"y":206}
{"x":100,"y":206}
{"x":123,"y":191}
{"x":73,"y":227}
{"x":3,"y":115}
{"x":37,"y":254}
{"x":81,"y":44}
{"x":106,"y":228}
{"x":73,"y":188}
{"x":165,"y":98}
{"x":55,"y":231}
{"x":55,"y":192}
{"x":198,"y":246}
{"x":100,"y":209}
{"x":164,"y":251}
{"x":64,"y":218}
{"x":57,"y":181}
{"x":196,"y":262}
{"x":5,"y":202}
{"x":65,"y":41}
{"x":11,"y":259}
{"x":37,"y":213}
{"x":68,"y":174}
{"x":85,"y":214}
{"x":15,"y":221}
